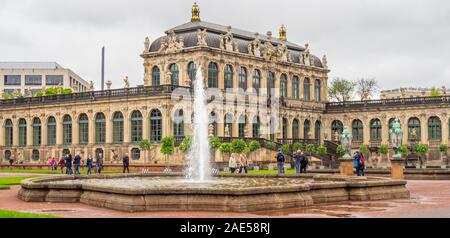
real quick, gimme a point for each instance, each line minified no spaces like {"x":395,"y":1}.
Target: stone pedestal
{"x":346,"y":167}
{"x":397,"y":168}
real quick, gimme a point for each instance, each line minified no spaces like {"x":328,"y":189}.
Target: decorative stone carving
{"x":91,"y":86}
{"x":324,"y":62}
{"x":108,"y":84}
{"x":127,"y":82}
{"x":222,"y":45}
{"x":146,"y":44}
{"x":29,"y":93}
{"x":227,"y":41}
{"x":227,"y":131}
{"x":201,"y":37}
{"x":305,"y":57}
{"x":43,"y":90}
{"x":172,"y":44}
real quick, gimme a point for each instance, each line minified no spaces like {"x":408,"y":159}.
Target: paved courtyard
{"x":428,"y":199}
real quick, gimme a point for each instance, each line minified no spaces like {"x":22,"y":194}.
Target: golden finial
{"x":195,"y":13}
{"x":283,"y":33}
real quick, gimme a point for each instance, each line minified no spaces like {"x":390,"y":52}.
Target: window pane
{"x":54,"y":79}
{"x":33,"y":80}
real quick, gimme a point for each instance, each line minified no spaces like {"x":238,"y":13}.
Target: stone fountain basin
{"x":228,"y":193}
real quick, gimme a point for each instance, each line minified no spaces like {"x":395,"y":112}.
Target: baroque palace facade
{"x":271,"y":70}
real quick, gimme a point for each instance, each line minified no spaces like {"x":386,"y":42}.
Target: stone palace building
{"x":287,"y":76}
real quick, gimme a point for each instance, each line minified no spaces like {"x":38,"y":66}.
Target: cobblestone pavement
{"x":428,"y":199}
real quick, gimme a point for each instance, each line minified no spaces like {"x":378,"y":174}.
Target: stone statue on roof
{"x":146,"y":44}
{"x":127,"y":82}
{"x":325,"y":62}
{"x":201,"y":35}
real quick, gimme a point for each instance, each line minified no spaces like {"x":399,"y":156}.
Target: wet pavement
{"x":428,"y":199}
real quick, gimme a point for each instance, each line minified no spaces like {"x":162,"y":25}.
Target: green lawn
{"x":5,"y":182}
{"x":14,"y":214}
{"x":48,"y":171}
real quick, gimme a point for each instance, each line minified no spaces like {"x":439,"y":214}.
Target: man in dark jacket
{"x":303,"y":162}
{"x":68,"y":160}
{"x":126,"y":163}
{"x":280,"y":162}
{"x":76,"y":164}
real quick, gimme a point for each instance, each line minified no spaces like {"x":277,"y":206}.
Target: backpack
{"x":356,"y":162}
{"x":361,"y":160}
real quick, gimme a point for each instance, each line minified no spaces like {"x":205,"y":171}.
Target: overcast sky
{"x":398,"y":42}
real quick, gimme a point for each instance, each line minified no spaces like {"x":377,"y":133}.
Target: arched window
{"x":136,"y":126}
{"x":67,"y":130}
{"x":228,"y":123}
{"x":317,"y":90}
{"x":22,"y":132}
{"x":285,"y":128}
{"x":242,"y":124}
{"x":174,"y":74}
{"x":83,"y":129}
{"x":270,"y":83}
{"x":135,"y":154}
{"x":336,"y":129}
{"x":434,"y":128}
{"x":306,"y":129}
{"x":213,"y":78}
{"x":37,"y":132}
{"x":256,"y":81}
{"x":118,"y":128}
{"x":228,"y":73}
{"x":100,"y":128}
{"x":212,"y":120}
{"x":178,"y":123}
{"x":192,"y":72}
{"x":317,"y":128}
{"x":414,"y":128}
{"x":243,"y":78}
{"x":306,"y":90}
{"x":357,"y":130}
{"x":256,"y":125}
{"x":283,"y":86}
{"x":295,"y":91}
{"x":51,"y":131}
{"x":155,"y":126}
{"x":8,"y":133}
{"x":295,"y":129}
{"x":35,"y":155}
{"x":375,"y":130}
{"x":156,"y":76}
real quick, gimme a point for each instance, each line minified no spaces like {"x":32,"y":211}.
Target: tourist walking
{"x":89,"y":164}
{"x":356,"y":159}
{"x":62,"y":164}
{"x":232,"y":164}
{"x":68,"y":161}
{"x":297,"y":162}
{"x":11,"y":161}
{"x":362,"y":165}
{"x":76,"y":164}
{"x":126,"y":163}
{"x":53,"y":165}
{"x":243,"y":162}
{"x":99,"y":163}
{"x":280,"y":162}
{"x":303,"y":162}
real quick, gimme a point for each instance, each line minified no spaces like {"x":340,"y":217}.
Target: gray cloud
{"x":398,"y":42}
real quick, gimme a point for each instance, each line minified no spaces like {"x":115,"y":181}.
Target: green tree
{"x":167,"y":146}
{"x":322,"y":150}
{"x":254,"y":145}
{"x":422,"y":149}
{"x":271,"y":145}
{"x":185,"y":145}
{"x":226,"y":148}
{"x":443,"y":148}
{"x":384,"y":150}
{"x":435,"y":92}
{"x":366,"y":88}
{"x":145,"y":145}
{"x":286,"y":148}
{"x":403,"y":149}
{"x":364,"y":149}
{"x":214,"y":143}
{"x":239,"y":146}
{"x":341,"y":89}
{"x":7,"y":95}
{"x":310,"y":148}
{"x":340,"y":150}
{"x":297,"y":146}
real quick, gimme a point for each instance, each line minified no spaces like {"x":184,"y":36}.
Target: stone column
{"x":126,"y":127}
{"x":59,"y":130}
{"x":15,"y":132}
{"x":397,"y":168}
{"x":324,"y":85}
{"x":30,"y":132}
{"x":91,"y":136}
{"x":289,"y":127}
{"x":445,"y":128}
{"x":301,"y":90}
{"x":145,"y":125}
{"x":2,"y":133}
{"x":44,"y":132}
{"x":424,"y":130}
{"x":263,"y":83}
{"x":277,"y":84}
{"x":220,"y":74}
{"x":385,"y":131}
{"x":289,"y":85}
{"x":108,"y":129}
{"x":235,"y":129}
{"x":366,"y":131}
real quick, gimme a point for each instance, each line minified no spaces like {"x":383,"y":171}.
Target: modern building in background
{"x":411,"y":92}
{"x":21,"y":77}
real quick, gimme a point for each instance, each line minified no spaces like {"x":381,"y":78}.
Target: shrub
{"x":167,"y":145}
{"x":310,"y":148}
{"x":285,"y":149}
{"x":145,"y":144}
{"x":443,"y":148}
{"x":403,"y":149}
{"x":340,"y":150}
{"x":322,"y":150}
{"x":421,"y":149}
{"x":297,"y":146}
{"x":214,"y":143}
{"x":384,"y":150}
{"x":226,"y":148}
{"x":254,"y":145}
{"x":271,"y":145}
{"x":238,"y":145}
{"x":364,"y":149}
{"x":7,"y":95}
{"x":185,"y":145}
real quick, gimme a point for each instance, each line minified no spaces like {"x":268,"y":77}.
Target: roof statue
{"x":195,"y":13}
{"x":283,"y":36}
{"x":325,"y":62}
{"x":201,"y":37}
{"x":127,"y":82}
{"x":146,"y":44}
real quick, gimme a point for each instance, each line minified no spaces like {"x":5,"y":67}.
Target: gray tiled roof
{"x":30,"y":65}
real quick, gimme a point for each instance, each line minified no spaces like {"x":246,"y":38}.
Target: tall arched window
{"x":256,"y":81}
{"x":117,"y":128}
{"x":306,"y":129}
{"x":175,"y":73}
{"x":67,"y":130}
{"x":192,"y":71}
{"x":317,"y":128}
{"x":155,"y":126}
{"x":8,"y":132}
{"x":375,"y":130}
{"x":295,"y":91}
{"x":83,"y":129}
{"x":283,"y":86}
{"x":285,"y":128}
{"x":212,"y":120}
{"x":228,"y":124}
{"x":317,"y":90}
{"x":136,"y":126}
{"x":156,"y":76}
{"x":242,"y":124}
{"x":51,"y":131}
{"x":357,"y":130}
{"x":243,"y":78}
{"x":295,"y":129}
{"x":22,"y":132}
{"x":270,"y":83}
{"x":256,"y":125}
{"x":178,"y":123}
{"x":414,"y":127}
{"x":100,"y":128}
{"x":213,"y":78}
{"x":434,"y":128}
{"x":306,"y":90}
{"x":336,"y":129}
{"x":37,"y":132}
{"x":228,"y":74}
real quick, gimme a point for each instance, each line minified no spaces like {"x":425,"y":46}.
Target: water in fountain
{"x":199,"y":156}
